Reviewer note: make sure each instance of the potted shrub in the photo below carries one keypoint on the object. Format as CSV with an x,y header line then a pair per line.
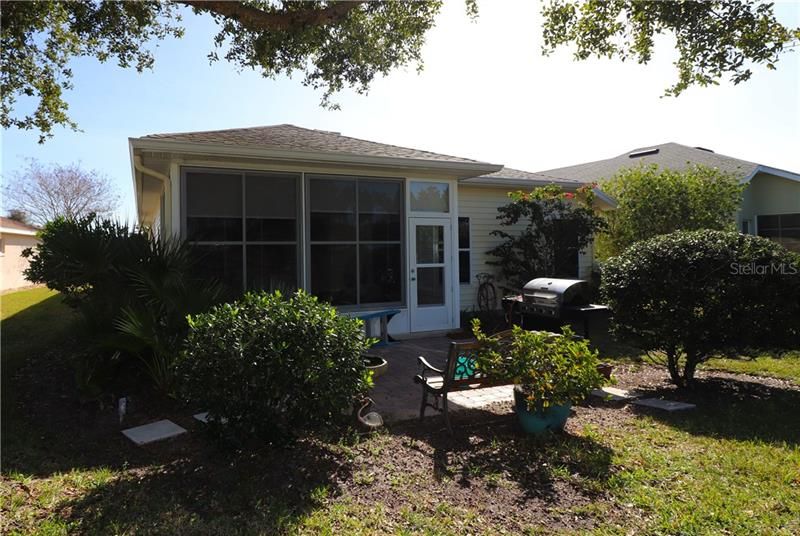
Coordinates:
x,y
550,372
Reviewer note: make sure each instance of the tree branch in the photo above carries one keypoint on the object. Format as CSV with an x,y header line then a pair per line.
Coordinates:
x,y
259,20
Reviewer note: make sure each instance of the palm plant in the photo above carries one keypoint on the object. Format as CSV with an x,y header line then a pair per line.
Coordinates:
x,y
153,326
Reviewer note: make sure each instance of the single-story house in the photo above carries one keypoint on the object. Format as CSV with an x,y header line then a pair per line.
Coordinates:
x,y
14,238
770,202
365,225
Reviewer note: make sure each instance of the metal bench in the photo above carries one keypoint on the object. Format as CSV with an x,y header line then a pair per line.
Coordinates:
x,y
384,317
459,374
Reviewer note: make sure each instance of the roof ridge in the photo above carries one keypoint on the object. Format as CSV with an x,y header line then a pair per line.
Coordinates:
x,y
215,130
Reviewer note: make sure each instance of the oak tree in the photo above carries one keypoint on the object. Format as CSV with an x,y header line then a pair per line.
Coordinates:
x,y
338,44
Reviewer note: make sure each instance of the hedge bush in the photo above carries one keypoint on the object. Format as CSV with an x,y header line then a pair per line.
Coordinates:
x,y
691,295
273,367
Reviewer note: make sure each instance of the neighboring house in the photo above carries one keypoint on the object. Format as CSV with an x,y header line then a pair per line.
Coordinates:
x,y
365,225
14,237
770,203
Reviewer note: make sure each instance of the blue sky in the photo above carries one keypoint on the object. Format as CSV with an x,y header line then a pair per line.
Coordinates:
x,y
486,92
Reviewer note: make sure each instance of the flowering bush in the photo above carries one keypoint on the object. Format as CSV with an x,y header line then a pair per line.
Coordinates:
x,y
558,225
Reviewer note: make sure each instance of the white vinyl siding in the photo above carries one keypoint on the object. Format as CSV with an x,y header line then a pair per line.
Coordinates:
x,y
480,204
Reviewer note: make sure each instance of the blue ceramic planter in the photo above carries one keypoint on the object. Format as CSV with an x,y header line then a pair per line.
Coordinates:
x,y
538,422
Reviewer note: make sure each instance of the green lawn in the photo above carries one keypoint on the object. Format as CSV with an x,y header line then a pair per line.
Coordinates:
x,y
33,321
786,366
730,467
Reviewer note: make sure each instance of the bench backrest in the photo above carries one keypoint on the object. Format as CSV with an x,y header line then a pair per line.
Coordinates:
x,y
461,369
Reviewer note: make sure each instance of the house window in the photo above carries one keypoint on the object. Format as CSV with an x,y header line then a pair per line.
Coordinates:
x,y
745,226
430,197
782,228
356,238
244,227
463,252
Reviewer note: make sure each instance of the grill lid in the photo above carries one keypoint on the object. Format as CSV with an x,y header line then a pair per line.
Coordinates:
x,y
555,293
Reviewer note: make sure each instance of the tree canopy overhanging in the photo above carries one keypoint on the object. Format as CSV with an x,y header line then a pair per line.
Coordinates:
x,y
337,44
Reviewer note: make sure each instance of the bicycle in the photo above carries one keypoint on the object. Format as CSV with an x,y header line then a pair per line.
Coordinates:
x,y
487,294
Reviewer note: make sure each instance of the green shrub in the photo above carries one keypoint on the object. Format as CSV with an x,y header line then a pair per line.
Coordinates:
x,y
691,295
550,369
272,366
653,201
133,290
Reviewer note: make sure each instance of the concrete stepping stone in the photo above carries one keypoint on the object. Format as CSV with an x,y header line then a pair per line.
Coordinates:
x,y
614,394
203,417
155,431
666,405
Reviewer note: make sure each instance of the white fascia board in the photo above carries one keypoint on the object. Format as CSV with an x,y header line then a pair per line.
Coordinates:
x,y
23,232
464,169
773,171
131,156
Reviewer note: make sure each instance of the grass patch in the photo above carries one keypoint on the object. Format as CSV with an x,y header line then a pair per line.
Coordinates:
x,y
785,366
34,321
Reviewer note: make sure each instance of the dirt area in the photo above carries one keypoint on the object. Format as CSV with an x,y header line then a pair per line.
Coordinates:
x,y
485,469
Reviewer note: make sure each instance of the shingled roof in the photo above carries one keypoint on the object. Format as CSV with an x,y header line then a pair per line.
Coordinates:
x,y
666,155
293,138
517,176
13,226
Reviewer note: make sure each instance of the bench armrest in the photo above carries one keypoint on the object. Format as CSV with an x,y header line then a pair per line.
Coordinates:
x,y
424,367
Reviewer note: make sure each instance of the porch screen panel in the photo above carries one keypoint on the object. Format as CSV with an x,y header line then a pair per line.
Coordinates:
x,y
244,227
271,231
782,228
355,227
380,207
213,207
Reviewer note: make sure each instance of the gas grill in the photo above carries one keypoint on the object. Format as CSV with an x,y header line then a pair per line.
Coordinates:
x,y
550,298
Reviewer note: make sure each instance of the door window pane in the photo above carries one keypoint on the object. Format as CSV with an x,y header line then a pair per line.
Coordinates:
x,y
272,267
222,263
333,273
333,210
380,273
430,197
430,244
430,286
213,207
271,207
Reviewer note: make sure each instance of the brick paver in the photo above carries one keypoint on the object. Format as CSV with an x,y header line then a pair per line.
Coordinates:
x,y
398,398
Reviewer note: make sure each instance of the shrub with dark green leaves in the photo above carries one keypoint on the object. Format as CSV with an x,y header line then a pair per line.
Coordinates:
x,y
273,367
133,290
691,295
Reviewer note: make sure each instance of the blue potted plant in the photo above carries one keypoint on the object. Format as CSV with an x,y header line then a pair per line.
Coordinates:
x,y
550,372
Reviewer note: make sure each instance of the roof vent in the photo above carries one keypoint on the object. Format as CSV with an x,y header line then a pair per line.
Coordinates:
x,y
646,152
704,149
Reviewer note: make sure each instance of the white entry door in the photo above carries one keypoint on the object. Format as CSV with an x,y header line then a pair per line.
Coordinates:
x,y
430,274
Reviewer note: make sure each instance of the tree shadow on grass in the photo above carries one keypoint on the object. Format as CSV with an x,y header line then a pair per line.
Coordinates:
x,y
734,409
267,491
484,444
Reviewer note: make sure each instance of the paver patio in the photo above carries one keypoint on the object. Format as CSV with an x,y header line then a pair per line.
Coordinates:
x,y
398,398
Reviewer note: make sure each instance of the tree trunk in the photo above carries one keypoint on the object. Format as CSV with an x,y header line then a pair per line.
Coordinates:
x,y
674,368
